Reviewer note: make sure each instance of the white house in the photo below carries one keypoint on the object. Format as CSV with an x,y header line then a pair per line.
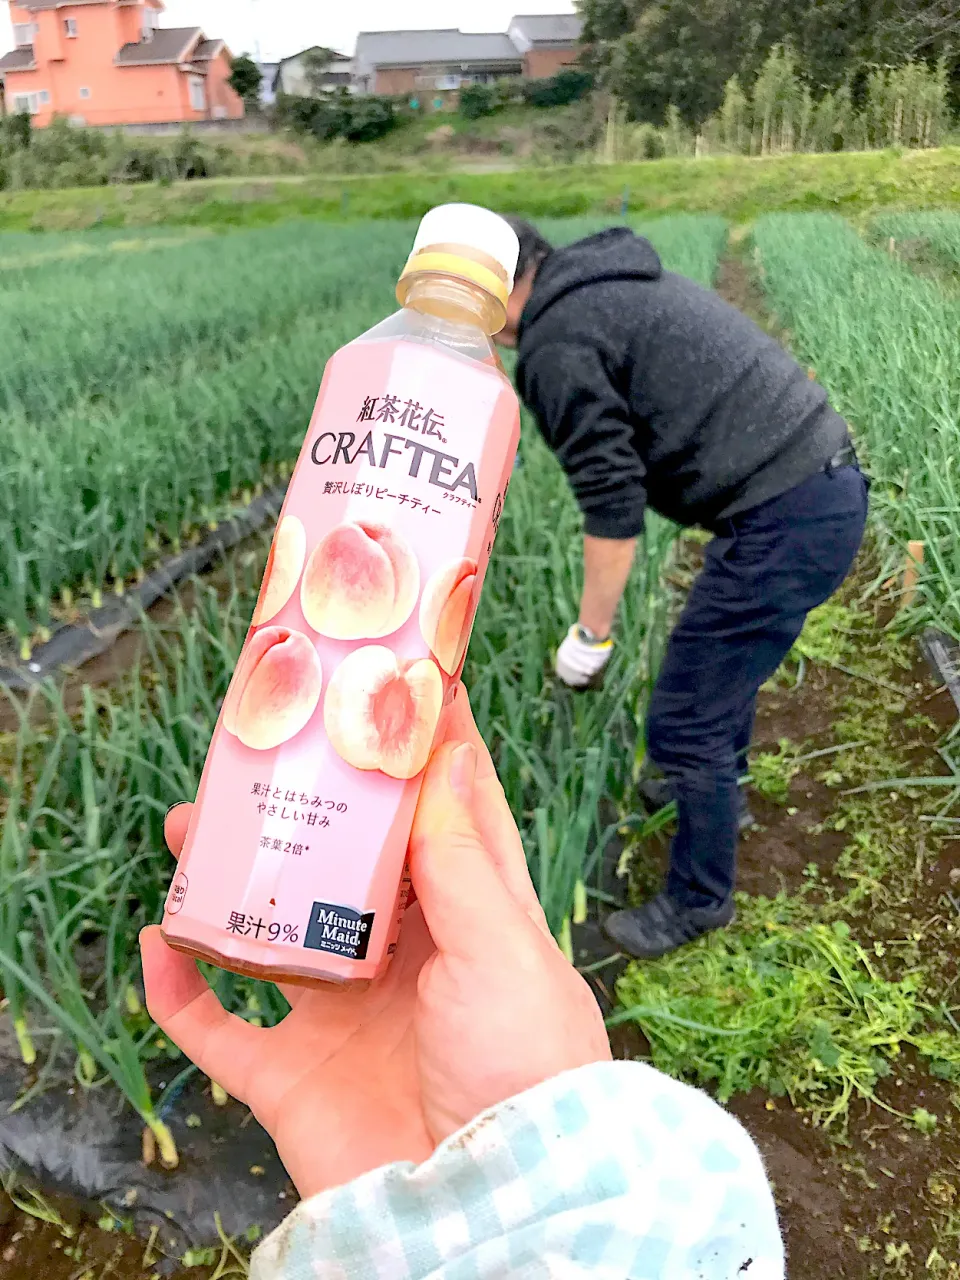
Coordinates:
x,y
268,73
292,77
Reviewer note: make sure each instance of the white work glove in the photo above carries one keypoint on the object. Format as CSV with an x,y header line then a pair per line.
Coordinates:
x,y
581,658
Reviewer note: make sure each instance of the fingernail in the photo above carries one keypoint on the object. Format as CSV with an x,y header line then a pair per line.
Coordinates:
x,y
171,809
463,771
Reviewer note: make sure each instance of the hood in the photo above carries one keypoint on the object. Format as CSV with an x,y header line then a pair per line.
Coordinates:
x,y
615,254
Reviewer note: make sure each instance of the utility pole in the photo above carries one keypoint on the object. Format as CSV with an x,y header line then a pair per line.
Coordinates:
x,y
256,31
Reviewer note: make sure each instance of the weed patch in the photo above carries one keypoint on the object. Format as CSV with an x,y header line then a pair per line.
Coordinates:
x,y
785,1004
771,772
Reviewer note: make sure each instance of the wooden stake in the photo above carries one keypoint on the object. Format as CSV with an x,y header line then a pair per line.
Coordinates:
x,y
911,573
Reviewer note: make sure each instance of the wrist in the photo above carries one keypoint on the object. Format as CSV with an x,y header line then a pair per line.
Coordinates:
x,y
592,635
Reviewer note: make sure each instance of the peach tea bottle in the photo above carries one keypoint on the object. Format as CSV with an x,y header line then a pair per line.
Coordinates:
x,y
294,864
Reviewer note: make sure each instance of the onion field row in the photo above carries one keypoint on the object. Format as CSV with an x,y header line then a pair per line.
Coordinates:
x,y
150,386
143,392
933,235
885,341
81,856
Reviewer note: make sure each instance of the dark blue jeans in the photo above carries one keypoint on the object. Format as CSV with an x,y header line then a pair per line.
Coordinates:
x,y
763,573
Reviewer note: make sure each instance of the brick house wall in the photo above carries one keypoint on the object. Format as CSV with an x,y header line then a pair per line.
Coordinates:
x,y
540,64
396,80
396,63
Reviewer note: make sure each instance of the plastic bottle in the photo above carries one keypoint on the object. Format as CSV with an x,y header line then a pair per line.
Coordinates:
x,y
294,864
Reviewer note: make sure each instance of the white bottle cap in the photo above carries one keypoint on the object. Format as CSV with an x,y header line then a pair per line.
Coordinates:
x,y
473,227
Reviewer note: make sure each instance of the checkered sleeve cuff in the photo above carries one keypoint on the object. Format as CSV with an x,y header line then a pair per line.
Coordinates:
x,y
612,1170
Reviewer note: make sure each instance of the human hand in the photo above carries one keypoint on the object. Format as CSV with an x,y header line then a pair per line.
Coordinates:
x,y
579,663
478,1005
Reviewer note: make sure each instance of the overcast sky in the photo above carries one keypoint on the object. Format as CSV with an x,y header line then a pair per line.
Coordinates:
x,y
285,26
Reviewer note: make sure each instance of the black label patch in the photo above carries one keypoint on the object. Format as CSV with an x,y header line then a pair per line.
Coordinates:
x,y
340,930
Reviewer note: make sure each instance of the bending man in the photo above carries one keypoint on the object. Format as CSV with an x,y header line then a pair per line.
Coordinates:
x,y
654,392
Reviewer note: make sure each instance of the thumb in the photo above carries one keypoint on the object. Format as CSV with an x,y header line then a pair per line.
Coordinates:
x,y
466,905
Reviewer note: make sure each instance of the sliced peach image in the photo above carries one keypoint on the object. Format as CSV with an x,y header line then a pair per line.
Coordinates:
x,y
275,689
361,583
382,712
284,567
446,611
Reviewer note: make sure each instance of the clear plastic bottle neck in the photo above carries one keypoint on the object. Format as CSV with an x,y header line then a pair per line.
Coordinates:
x,y
455,300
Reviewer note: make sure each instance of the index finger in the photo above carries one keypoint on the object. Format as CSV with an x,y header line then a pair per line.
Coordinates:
x,y
491,812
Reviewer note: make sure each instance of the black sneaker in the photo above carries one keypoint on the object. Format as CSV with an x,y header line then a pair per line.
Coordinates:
x,y
661,926
655,795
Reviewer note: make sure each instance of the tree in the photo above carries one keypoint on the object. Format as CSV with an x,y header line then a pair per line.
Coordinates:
x,y
337,114
245,79
651,53
735,118
778,103
654,53
16,132
674,52
477,100
366,119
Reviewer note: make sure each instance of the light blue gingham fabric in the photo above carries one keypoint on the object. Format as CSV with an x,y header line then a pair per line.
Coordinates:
x,y
613,1170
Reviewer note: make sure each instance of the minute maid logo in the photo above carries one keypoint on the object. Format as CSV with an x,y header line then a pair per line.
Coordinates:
x,y
339,930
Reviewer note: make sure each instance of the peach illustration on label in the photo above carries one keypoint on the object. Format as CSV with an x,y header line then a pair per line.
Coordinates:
x,y
275,689
381,712
284,567
361,582
446,612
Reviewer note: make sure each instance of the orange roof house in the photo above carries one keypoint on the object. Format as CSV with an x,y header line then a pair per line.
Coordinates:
x,y
109,62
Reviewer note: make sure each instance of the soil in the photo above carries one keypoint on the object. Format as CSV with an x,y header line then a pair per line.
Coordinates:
x,y
34,1249
833,1195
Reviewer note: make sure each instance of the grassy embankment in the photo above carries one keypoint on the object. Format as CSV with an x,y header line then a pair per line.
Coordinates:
x,y
738,188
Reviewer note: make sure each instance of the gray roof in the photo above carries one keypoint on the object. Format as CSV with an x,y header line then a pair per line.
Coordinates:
x,y
314,48
560,28
416,48
18,59
206,50
169,44
38,6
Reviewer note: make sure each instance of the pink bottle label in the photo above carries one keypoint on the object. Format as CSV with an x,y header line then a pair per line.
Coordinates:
x,y
294,862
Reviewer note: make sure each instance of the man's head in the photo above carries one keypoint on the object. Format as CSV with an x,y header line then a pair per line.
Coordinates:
x,y
534,248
